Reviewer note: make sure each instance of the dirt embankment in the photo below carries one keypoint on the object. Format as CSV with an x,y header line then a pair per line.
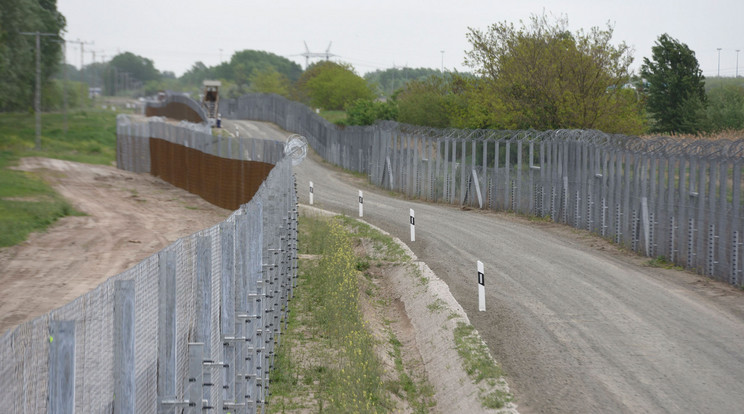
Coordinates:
x,y
128,217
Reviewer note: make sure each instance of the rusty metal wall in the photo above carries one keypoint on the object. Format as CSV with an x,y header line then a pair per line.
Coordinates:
x,y
224,182
177,106
174,110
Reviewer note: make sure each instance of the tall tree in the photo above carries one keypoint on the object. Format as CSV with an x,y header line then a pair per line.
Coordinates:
x,y
245,62
546,77
387,81
330,85
141,68
725,108
17,51
676,87
268,80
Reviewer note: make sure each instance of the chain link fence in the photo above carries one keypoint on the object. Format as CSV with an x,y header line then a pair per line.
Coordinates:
x,y
190,329
676,199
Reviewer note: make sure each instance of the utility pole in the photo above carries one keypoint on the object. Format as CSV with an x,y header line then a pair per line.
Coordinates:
x,y
64,85
737,62
442,62
719,62
82,53
37,95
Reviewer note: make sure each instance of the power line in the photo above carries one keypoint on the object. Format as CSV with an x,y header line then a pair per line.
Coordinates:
x,y
37,95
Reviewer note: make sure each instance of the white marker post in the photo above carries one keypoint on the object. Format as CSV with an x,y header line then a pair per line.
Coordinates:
x,y
413,226
311,193
361,204
481,288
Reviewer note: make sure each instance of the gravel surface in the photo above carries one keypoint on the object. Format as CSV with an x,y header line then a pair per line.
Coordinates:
x,y
578,325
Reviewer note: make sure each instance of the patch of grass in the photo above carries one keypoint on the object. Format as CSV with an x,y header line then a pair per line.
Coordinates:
x,y
662,262
334,117
494,399
479,365
416,272
90,136
419,394
312,235
384,246
343,373
27,204
362,265
327,360
437,306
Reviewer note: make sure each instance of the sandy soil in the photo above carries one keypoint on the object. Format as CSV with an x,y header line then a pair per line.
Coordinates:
x,y
129,217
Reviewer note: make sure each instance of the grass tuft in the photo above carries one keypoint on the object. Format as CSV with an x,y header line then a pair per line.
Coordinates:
x,y
479,365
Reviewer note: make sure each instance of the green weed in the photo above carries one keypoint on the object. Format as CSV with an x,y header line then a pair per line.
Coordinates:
x,y
662,262
436,306
478,364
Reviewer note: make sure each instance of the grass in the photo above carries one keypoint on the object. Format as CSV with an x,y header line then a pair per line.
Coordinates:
x,y
90,136
437,306
385,248
663,263
327,360
419,393
340,369
28,204
479,365
333,117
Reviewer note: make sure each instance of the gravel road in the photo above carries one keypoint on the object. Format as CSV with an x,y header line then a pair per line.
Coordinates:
x,y
578,325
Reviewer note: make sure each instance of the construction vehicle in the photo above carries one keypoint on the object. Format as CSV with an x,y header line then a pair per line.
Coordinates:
x,y
211,101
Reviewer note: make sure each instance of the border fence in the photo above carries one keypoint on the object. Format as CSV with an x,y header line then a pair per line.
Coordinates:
x,y
177,106
190,329
676,199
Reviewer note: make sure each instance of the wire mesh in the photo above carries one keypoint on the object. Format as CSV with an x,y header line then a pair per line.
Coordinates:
x,y
26,361
579,177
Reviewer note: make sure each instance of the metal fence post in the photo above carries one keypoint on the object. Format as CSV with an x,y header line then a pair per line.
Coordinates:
x,y
61,367
166,329
124,376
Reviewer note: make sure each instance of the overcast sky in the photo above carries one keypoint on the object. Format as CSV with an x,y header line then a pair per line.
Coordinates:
x,y
382,33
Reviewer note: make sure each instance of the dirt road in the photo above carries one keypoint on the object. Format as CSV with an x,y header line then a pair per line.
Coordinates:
x,y
578,325
129,217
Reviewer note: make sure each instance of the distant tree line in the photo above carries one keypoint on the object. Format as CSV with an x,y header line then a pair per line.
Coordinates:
x,y
542,76
538,75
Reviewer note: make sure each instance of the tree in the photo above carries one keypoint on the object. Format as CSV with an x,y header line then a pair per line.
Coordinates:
x,y
138,67
196,74
545,77
244,63
366,112
329,85
387,81
17,51
725,108
676,87
268,80
432,101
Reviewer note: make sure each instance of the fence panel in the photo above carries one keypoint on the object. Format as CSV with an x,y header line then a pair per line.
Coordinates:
x,y
151,339
674,198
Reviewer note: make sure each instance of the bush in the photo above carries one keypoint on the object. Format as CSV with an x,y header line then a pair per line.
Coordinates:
x,y
366,112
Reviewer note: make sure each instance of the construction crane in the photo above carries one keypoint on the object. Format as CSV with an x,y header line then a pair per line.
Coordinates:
x,y
308,54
